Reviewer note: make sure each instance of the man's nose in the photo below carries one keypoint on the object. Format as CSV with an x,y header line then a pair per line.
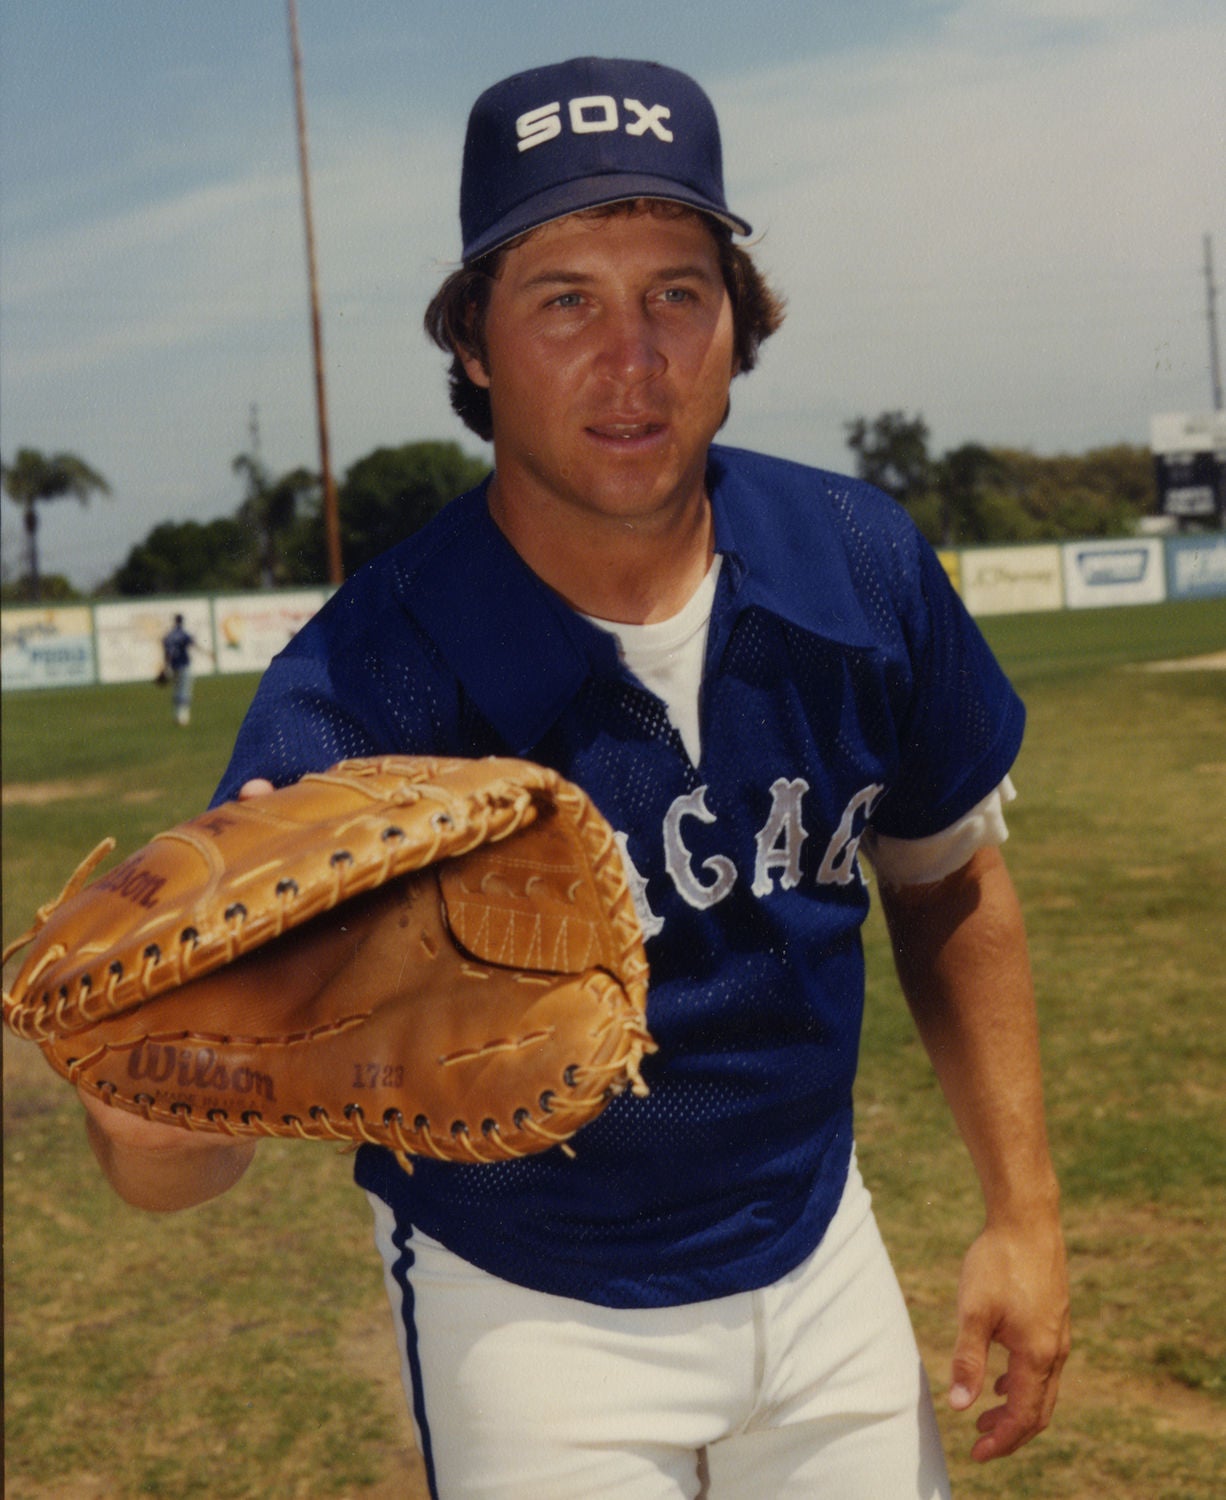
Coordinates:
x,y
630,350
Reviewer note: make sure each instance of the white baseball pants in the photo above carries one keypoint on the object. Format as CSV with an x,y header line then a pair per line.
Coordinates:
x,y
811,1387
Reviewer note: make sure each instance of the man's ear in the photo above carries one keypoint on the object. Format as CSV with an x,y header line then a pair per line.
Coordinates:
x,y
474,367
469,346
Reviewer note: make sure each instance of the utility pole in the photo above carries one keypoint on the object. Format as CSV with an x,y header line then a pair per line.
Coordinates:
x,y
332,530
1215,366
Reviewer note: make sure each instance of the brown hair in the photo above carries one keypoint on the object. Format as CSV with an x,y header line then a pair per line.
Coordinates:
x,y
455,319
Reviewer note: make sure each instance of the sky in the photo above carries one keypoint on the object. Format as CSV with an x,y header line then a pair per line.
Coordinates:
x,y
991,213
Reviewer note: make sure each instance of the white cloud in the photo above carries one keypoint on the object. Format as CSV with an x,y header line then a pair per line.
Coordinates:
x,y
152,278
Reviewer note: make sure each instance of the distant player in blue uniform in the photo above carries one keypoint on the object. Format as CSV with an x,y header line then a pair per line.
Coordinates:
x,y
177,646
761,674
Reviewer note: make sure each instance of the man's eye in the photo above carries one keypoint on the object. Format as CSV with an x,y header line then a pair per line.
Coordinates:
x,y
678,294
567,299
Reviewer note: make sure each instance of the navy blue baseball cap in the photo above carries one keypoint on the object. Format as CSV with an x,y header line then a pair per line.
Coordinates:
x,y
583,133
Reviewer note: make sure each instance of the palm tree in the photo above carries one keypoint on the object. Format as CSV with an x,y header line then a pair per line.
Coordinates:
x,y
270,509
32,477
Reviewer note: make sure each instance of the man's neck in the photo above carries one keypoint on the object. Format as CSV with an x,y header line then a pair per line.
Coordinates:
x,y
617,570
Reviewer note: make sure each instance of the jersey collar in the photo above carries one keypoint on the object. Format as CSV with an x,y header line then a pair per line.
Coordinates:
x,y
787,557
483,607
487,614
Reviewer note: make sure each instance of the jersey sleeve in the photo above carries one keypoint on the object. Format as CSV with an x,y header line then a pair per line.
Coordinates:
x,y
962,723
336,693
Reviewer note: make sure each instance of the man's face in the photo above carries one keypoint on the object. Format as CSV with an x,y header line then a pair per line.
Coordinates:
x,y
609,356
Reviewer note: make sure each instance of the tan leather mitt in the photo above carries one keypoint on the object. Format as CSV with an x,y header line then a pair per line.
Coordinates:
x,y
438,956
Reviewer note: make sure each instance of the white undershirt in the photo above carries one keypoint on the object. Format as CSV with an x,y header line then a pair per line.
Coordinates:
x,y
667,657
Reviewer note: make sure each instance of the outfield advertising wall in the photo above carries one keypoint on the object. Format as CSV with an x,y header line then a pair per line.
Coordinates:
x,y
120,641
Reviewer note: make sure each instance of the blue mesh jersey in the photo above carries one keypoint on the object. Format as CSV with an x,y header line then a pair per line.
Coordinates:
x,y
844,682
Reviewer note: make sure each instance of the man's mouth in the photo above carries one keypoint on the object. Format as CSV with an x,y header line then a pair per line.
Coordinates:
x,y
625,432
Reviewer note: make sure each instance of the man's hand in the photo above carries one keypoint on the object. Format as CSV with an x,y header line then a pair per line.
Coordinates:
x,y
163,1168
1014,1292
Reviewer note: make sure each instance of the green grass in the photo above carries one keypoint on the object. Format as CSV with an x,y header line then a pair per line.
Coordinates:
x,y
84,763
244,1349
1117,849
1044,646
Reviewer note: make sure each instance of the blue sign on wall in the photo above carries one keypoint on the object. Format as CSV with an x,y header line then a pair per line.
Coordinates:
x,y
1196,566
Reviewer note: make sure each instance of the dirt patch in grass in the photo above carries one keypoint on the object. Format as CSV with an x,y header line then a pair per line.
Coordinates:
x,y
40,793
1213,661
1170,1406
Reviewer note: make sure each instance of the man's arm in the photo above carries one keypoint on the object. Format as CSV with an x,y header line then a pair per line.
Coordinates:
x,y
960,948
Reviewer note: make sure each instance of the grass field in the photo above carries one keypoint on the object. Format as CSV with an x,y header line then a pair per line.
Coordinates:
x,y
244,1349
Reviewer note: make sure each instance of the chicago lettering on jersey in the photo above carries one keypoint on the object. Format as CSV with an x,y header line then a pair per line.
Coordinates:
x,y
778,846
590,115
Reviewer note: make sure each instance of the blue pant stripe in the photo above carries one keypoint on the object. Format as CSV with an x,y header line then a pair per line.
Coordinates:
x,y
400,1272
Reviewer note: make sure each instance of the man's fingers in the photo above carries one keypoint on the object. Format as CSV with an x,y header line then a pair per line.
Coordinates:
x,y
257,787
970,1362
1003,1432
1051,1389
1004,1428
1030,1390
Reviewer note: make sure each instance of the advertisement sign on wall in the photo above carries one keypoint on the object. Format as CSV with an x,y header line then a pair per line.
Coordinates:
x,y
1011,580
1102,573
47,647
1196,566
252,628
129,637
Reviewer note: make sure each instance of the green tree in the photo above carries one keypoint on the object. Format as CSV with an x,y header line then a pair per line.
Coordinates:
x,y
892,453
190,555
1032,497
961,480
270,510
33,479
277,534
54,588
383,498
975,494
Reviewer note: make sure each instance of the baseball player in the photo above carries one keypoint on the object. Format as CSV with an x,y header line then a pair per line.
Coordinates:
x,y
177,646
759,672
